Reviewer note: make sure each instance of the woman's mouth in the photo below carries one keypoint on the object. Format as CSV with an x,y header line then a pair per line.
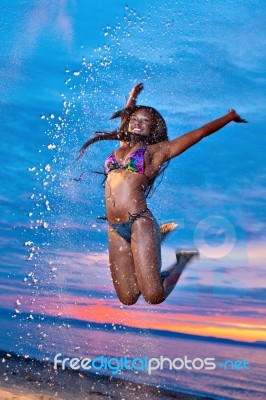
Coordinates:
x,y
136,130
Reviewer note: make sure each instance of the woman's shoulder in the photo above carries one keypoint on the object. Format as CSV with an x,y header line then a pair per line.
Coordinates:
x,y
155,147
156,154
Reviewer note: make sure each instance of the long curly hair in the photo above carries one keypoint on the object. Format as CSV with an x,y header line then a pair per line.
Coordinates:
x,y
158,134
158,129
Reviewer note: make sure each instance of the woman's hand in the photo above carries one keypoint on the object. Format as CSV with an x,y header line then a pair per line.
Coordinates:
x,y
133,95
136,90
236,117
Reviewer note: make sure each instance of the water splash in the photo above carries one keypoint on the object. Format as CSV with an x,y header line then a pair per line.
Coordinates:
x,y
65,195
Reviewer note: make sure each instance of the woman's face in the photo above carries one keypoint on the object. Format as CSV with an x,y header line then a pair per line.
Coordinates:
x,y
140,122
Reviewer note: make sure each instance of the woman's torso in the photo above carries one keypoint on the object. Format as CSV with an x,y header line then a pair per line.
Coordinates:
x,y
124,189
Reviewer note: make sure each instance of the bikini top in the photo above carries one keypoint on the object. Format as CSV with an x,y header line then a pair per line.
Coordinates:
x,y
134,162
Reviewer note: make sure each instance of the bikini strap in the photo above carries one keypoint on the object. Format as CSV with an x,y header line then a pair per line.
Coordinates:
x,y
102,218
133,217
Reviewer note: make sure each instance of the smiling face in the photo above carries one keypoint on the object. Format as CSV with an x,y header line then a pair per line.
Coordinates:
x,y
140,122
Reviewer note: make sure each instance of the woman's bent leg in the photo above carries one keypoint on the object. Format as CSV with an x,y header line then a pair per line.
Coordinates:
x,y
122,268
146,250
173,273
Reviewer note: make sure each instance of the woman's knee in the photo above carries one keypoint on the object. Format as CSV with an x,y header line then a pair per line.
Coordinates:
x,y
154,296
128,299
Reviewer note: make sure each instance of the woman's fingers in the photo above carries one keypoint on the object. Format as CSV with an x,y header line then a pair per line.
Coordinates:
x,y
236,117
239,119
137,89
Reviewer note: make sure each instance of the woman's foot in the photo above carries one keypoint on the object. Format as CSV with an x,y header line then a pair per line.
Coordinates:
x,y
186,254
166,228
172,274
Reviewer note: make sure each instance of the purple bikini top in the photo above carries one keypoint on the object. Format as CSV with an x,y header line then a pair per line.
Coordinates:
x,y
134,162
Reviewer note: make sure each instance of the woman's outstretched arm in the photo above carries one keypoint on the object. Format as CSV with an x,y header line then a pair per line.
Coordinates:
x,y
179,145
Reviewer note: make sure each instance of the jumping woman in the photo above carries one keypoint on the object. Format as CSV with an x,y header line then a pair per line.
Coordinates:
x,y
133,233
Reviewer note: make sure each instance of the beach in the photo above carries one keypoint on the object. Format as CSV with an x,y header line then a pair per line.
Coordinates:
x,y
27,379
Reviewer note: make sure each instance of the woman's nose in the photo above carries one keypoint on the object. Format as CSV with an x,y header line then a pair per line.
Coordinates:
x,y
137,122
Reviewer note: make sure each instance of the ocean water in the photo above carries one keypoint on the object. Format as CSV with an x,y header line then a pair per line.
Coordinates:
x,y
87,342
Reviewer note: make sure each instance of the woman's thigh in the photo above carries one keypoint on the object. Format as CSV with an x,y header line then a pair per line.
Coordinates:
x,y
122,268
146,250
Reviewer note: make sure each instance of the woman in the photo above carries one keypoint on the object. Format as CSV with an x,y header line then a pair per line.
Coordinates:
x,y
133,233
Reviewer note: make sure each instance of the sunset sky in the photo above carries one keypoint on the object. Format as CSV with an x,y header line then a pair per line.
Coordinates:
x,y
64,71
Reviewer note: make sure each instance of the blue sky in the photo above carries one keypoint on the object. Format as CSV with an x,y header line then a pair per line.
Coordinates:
x,y
64,71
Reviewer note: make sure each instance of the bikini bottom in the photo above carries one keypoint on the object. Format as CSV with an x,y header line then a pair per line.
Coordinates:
x,y
124,230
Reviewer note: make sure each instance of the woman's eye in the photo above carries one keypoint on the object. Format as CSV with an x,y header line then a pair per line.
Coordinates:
x,y
145,121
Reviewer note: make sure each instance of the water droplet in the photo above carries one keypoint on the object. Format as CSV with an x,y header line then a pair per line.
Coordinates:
x,y
28,243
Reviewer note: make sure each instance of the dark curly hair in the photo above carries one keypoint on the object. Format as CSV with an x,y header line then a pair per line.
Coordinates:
x,y
158,129
158,134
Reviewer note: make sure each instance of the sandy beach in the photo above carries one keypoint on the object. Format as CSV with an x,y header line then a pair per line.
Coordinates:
x,y
25,379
